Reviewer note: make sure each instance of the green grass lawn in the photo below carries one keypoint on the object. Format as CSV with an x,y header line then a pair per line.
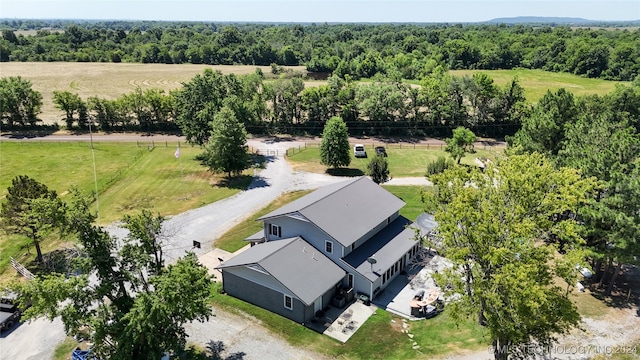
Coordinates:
x,y
412,195
537,82
130,176
380,337
403,162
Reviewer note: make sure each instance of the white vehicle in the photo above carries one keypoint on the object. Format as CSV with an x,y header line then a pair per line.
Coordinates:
x,y
359,151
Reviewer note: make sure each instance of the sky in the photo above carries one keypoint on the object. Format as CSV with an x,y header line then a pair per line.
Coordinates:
x,y
318,11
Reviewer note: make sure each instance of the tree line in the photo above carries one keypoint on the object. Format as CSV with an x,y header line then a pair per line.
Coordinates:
x,y
285,105
409,51
384,106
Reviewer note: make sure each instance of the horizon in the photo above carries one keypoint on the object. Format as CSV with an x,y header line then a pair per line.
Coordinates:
x,y
318,11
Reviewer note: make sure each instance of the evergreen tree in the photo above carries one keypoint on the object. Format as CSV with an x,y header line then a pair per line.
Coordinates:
x,y
378,169
334,148
226,150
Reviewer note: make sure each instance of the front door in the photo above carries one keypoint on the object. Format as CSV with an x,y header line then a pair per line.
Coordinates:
x,y
317,305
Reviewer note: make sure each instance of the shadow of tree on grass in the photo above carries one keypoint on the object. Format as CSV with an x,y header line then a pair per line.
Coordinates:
x,y
235,182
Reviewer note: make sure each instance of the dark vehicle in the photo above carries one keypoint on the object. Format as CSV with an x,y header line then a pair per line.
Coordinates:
x,y
380,151
9,313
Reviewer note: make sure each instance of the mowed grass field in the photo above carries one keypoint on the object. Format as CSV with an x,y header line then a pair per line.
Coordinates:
x,y
537,82
110,80
130,176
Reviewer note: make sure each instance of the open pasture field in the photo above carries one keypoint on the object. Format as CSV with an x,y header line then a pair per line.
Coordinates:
x,y
108,80
130,176
537,82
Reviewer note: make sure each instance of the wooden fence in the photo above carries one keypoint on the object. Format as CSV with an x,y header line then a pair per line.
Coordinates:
x,y
21,269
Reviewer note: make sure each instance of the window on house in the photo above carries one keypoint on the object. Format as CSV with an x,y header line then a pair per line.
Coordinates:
x,y
275,230
328,246
288,302
350,281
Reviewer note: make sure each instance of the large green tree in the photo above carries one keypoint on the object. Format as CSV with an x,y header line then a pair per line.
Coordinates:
x,y
334,147
132,306
461,143
544,130
198,101
70,103
606,147
19,103
30,209
226,150
493,227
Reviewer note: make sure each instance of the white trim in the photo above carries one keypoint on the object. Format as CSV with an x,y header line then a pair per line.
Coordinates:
x,y
275,230
328,246
298,216
285,302
258,268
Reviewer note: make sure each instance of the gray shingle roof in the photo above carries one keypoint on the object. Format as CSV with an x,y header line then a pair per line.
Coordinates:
x,y
306,272
346,210
256,237
386,247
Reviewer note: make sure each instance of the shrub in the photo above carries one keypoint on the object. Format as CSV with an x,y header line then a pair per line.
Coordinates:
x,y
439,165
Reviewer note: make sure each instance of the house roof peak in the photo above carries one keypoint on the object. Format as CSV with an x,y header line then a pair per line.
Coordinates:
x,y
346,210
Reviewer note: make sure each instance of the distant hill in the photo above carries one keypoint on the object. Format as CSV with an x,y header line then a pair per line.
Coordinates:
x,y
559,21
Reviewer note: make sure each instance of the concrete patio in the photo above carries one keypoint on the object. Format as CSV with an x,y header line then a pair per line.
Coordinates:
x,y
341,324
396,296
